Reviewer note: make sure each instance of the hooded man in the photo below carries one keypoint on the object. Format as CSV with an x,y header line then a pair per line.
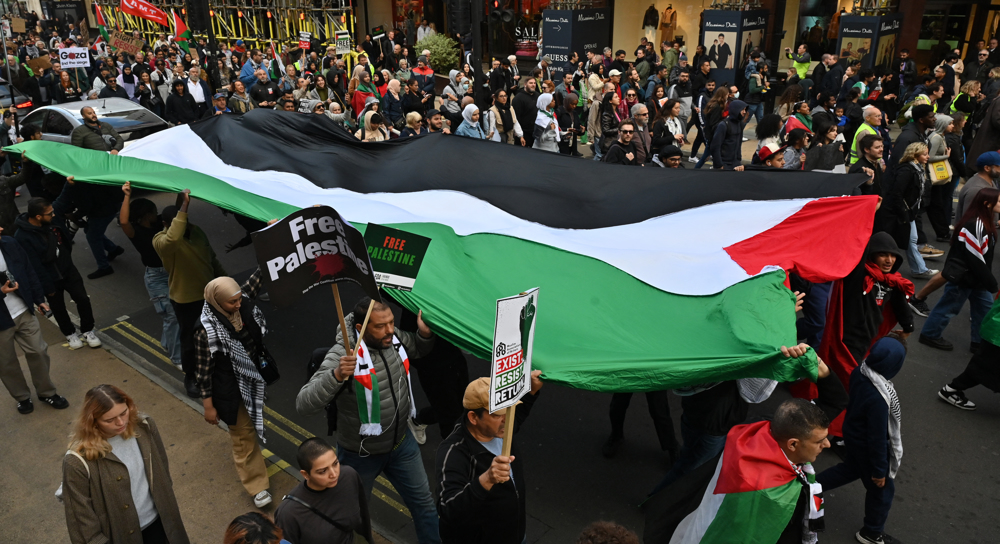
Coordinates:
x,y
874,447
669,157
727,141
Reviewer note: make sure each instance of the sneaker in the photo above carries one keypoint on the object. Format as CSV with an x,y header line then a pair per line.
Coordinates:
x,y
693,160
928,250
956,398
55,401
927,274
74,341
419,431
100,273
25,406
867,537
745,139
92,339
919,306
936,343
611,447
262,499
114,253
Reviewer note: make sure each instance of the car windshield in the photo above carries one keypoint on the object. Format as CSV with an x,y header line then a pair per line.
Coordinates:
x,y
129,121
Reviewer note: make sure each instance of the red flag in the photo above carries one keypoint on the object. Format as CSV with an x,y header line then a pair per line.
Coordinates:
x,y
141,8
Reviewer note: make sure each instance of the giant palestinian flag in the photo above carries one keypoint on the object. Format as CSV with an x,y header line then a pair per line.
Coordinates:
x,y
653,278
745,496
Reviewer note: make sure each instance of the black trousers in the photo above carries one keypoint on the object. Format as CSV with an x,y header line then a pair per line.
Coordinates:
x,y
983,369
72,284
443,375
939,209
659,410
154,533
188,315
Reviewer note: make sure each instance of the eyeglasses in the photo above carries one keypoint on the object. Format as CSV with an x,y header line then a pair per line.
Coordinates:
x,y
630,95
627,131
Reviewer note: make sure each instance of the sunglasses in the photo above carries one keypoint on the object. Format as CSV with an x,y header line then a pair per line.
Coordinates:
x,y
983,55
627,131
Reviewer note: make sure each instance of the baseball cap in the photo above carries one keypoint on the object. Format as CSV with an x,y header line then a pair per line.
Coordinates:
x,y
614,73
769,150
477,395
670,150
990,158
218,96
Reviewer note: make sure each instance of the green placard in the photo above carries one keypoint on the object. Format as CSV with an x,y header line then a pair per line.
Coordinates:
x,y
396,255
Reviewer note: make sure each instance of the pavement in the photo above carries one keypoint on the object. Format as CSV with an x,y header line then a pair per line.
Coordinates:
x,y
945,490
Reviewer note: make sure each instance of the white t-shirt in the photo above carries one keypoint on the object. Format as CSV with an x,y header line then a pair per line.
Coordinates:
x,y
194,87
495,447
15,304
128,452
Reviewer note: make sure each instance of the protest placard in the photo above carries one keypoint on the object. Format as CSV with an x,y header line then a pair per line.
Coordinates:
x,y
17,25
74,57
343,42
510,371
40,63
396,255
314,247
304,39
123,42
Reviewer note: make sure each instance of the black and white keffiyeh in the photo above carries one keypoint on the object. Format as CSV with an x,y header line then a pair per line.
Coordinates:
x,y
888,392
248,378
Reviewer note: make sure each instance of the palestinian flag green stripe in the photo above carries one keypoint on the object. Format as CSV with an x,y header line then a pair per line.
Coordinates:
x,y
753,517
602,329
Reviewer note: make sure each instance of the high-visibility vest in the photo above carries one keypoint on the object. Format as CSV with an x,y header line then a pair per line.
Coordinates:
x,y
855,152
953,111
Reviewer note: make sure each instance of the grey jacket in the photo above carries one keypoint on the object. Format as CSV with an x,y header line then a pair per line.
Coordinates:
x,y
394,394
98,497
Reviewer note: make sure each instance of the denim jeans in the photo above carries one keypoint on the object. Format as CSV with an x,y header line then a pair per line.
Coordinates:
x,y
404,469
878,500
698,449
100,244
913,257
156,286
756,111
951,302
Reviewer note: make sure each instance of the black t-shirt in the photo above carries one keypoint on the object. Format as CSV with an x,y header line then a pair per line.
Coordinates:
x,y
716,410
143,242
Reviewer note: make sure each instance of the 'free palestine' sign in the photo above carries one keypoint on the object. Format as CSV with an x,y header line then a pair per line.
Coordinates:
x,y
395,255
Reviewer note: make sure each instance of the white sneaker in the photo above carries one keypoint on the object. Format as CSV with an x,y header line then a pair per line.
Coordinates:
x,y
693,159
419,431
74,341
262,499
92,339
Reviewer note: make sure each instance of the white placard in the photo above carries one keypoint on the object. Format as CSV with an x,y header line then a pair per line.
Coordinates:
x,y
74,57
513,337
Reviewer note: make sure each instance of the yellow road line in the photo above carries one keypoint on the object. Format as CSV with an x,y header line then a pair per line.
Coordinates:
x,y
381,479
141,344
282,433
392,502
142,334
288,423
276,468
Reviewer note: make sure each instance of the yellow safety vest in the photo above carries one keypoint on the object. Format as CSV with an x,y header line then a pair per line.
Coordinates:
x,y
855,152
953,111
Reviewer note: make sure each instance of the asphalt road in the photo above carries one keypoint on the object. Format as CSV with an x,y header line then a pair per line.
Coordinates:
x,y
945,489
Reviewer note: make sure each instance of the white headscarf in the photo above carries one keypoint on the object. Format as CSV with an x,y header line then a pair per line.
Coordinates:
x,y
467,113
544,118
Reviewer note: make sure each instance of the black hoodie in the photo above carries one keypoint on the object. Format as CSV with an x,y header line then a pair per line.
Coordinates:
x,y
49,248
866,423
727,141
863,310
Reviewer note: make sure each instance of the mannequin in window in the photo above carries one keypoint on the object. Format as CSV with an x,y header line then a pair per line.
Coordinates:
x,y
650,21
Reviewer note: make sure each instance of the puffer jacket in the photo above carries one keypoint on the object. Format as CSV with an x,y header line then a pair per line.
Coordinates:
x,y
394,395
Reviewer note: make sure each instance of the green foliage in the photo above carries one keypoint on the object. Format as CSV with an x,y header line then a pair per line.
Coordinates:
x,y
444,52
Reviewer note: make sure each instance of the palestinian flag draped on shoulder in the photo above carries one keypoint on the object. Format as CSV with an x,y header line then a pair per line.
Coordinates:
x,y
654,278
748,495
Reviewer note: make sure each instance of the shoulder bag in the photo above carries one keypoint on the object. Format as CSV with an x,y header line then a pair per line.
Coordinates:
x,y
340,526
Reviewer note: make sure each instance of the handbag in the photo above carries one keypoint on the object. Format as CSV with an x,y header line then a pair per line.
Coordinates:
x,y
954,270
340,526
941,172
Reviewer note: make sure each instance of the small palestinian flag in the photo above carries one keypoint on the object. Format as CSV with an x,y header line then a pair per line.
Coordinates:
x,y
746,495
182,35
654,281
277,66
102,26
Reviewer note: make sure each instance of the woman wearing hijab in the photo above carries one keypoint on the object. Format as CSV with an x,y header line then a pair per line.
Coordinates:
x,y
546,129
392,106
366,91
355,81
233,366
372,129
382,82
126,80
451,98
505,125
800,118
470,123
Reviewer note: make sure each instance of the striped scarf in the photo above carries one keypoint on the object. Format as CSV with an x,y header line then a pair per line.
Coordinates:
x,y
366,388
888,392
247,377
813,522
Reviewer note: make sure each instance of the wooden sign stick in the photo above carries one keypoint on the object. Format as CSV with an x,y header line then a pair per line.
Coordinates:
x,y
365,324
340,314
508,431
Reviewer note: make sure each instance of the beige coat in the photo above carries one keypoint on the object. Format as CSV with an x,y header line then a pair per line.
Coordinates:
x,y
99,506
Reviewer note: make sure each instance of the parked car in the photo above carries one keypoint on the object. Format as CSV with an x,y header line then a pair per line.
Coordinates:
x,y
22,102
131,120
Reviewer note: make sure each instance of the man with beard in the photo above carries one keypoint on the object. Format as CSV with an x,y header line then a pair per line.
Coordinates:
x,y
623,150
436,122
569,124
525,108
264,93
682,92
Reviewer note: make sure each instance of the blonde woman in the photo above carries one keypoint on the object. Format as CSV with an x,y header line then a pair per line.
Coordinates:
x,y
902,202
116,480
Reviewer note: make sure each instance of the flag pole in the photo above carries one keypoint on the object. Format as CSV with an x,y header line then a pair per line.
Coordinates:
x,y
364,325
508,431
340,314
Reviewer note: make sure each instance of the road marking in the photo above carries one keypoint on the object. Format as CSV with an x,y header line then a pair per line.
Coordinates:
x,y
282,433
277,467
288,423
139,343
392,502
153,341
